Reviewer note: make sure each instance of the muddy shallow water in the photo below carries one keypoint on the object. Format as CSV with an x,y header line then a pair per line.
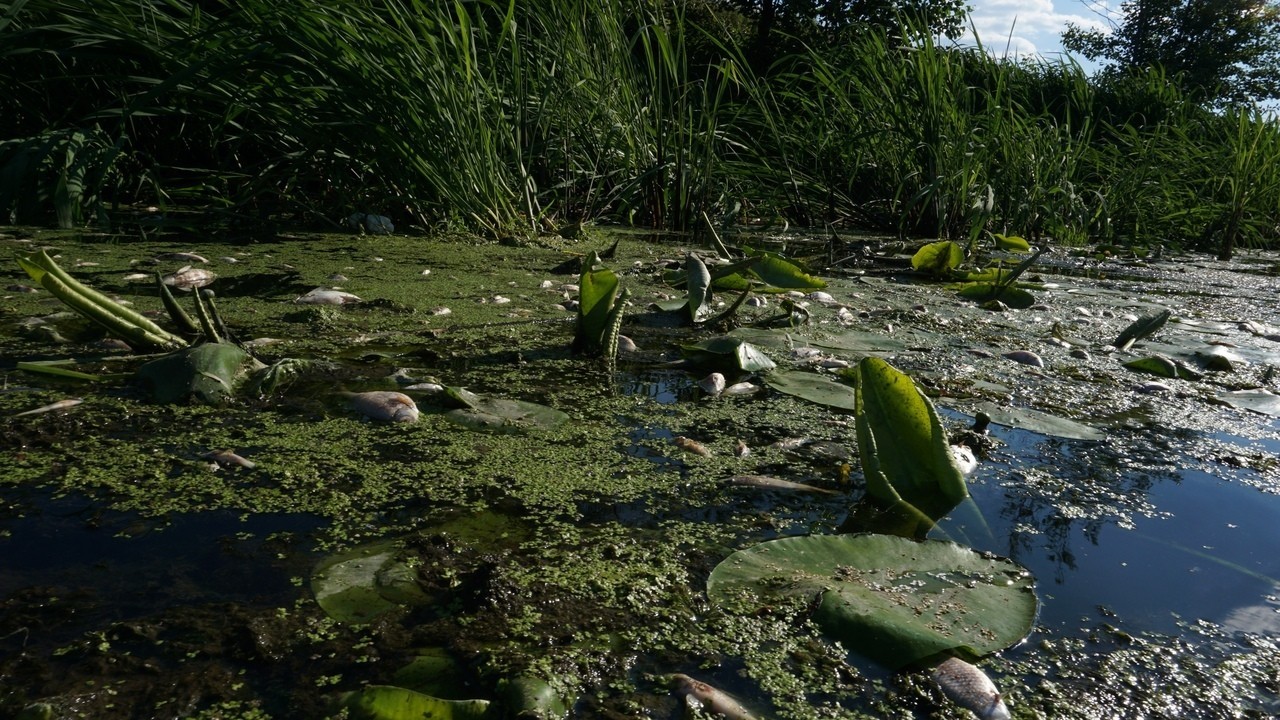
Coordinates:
x,y
141,580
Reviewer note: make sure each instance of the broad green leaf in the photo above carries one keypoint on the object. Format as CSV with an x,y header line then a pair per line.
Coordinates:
x,y
1040,422
895,600
526,696
727,353
1011,243
212,373
1154,365
782,273
1014,297
386,702
821,389
699,288
902,444
938,258
358,585
597,290
432,672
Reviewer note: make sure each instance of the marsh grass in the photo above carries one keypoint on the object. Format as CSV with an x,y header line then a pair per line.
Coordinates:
x,y
506,116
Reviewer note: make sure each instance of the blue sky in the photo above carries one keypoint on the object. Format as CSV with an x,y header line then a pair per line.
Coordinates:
x,y
1026,27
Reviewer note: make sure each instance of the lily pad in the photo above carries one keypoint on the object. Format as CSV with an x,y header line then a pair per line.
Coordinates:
x,y
386,702
359,585
895,600
821,389
1040,422
1260,401
728,353
211,372
1014,297
1011,243
938,258
504,415
782,273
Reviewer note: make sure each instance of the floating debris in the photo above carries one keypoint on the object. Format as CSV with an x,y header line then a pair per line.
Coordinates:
x,y
136,277
227,458
1152,388
626,344
740,449
20,288
964,458
188,278
689,445
441,310
51,407
384,405
791,443
970,688
338,278
1026,357
742,388
324,296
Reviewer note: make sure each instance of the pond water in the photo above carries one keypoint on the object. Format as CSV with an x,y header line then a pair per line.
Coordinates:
x,y
140,580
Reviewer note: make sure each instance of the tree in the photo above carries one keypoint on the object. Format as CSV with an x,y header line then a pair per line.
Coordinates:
x,y
1216,50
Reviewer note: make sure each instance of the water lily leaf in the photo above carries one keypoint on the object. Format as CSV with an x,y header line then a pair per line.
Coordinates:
x,y
728,353
386,702
504,415
821,389
432,672
699,288
1011,243
783,273
1158,365
1256,400
597,290
938,258
895,600
1040,422
526,696
211,372
1142,327
1014,297
902,445
358,585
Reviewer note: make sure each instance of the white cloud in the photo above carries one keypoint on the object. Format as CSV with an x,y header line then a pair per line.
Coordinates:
x,y
1033,27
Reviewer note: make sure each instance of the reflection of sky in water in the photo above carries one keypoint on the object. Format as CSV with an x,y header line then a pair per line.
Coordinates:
x,y
1152,544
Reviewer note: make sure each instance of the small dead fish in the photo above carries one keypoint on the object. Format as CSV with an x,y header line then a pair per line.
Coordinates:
x,y
228,259
1026,357
712,384
742,388
323,296
791,443
689,445
964,458
626,344
85,263
384,405
51,407
768,482
260,342
20,288
182,257
970,688
136,277
740,449
442,310
188,278
229,457
711,700
1152,388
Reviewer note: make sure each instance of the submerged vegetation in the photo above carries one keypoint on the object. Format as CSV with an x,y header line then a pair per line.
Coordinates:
x,y
523,116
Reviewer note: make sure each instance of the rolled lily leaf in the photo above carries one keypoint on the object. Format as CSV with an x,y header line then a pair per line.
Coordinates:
x,y
699,286
598,291
902,444
1141,328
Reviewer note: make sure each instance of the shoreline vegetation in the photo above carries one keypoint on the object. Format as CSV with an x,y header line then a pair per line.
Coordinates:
x,y
511,118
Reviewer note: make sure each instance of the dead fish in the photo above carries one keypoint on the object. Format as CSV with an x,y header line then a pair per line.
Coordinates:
x,y
229,457
60,405
228,259
442,310
964,458
20,288
188,278
742,388
324,296
711,700
626,344
1026,357
970,688
791,443
384,405
136,277
769,482
182,257
740,449
1152,388
689,445
85,263
712,384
